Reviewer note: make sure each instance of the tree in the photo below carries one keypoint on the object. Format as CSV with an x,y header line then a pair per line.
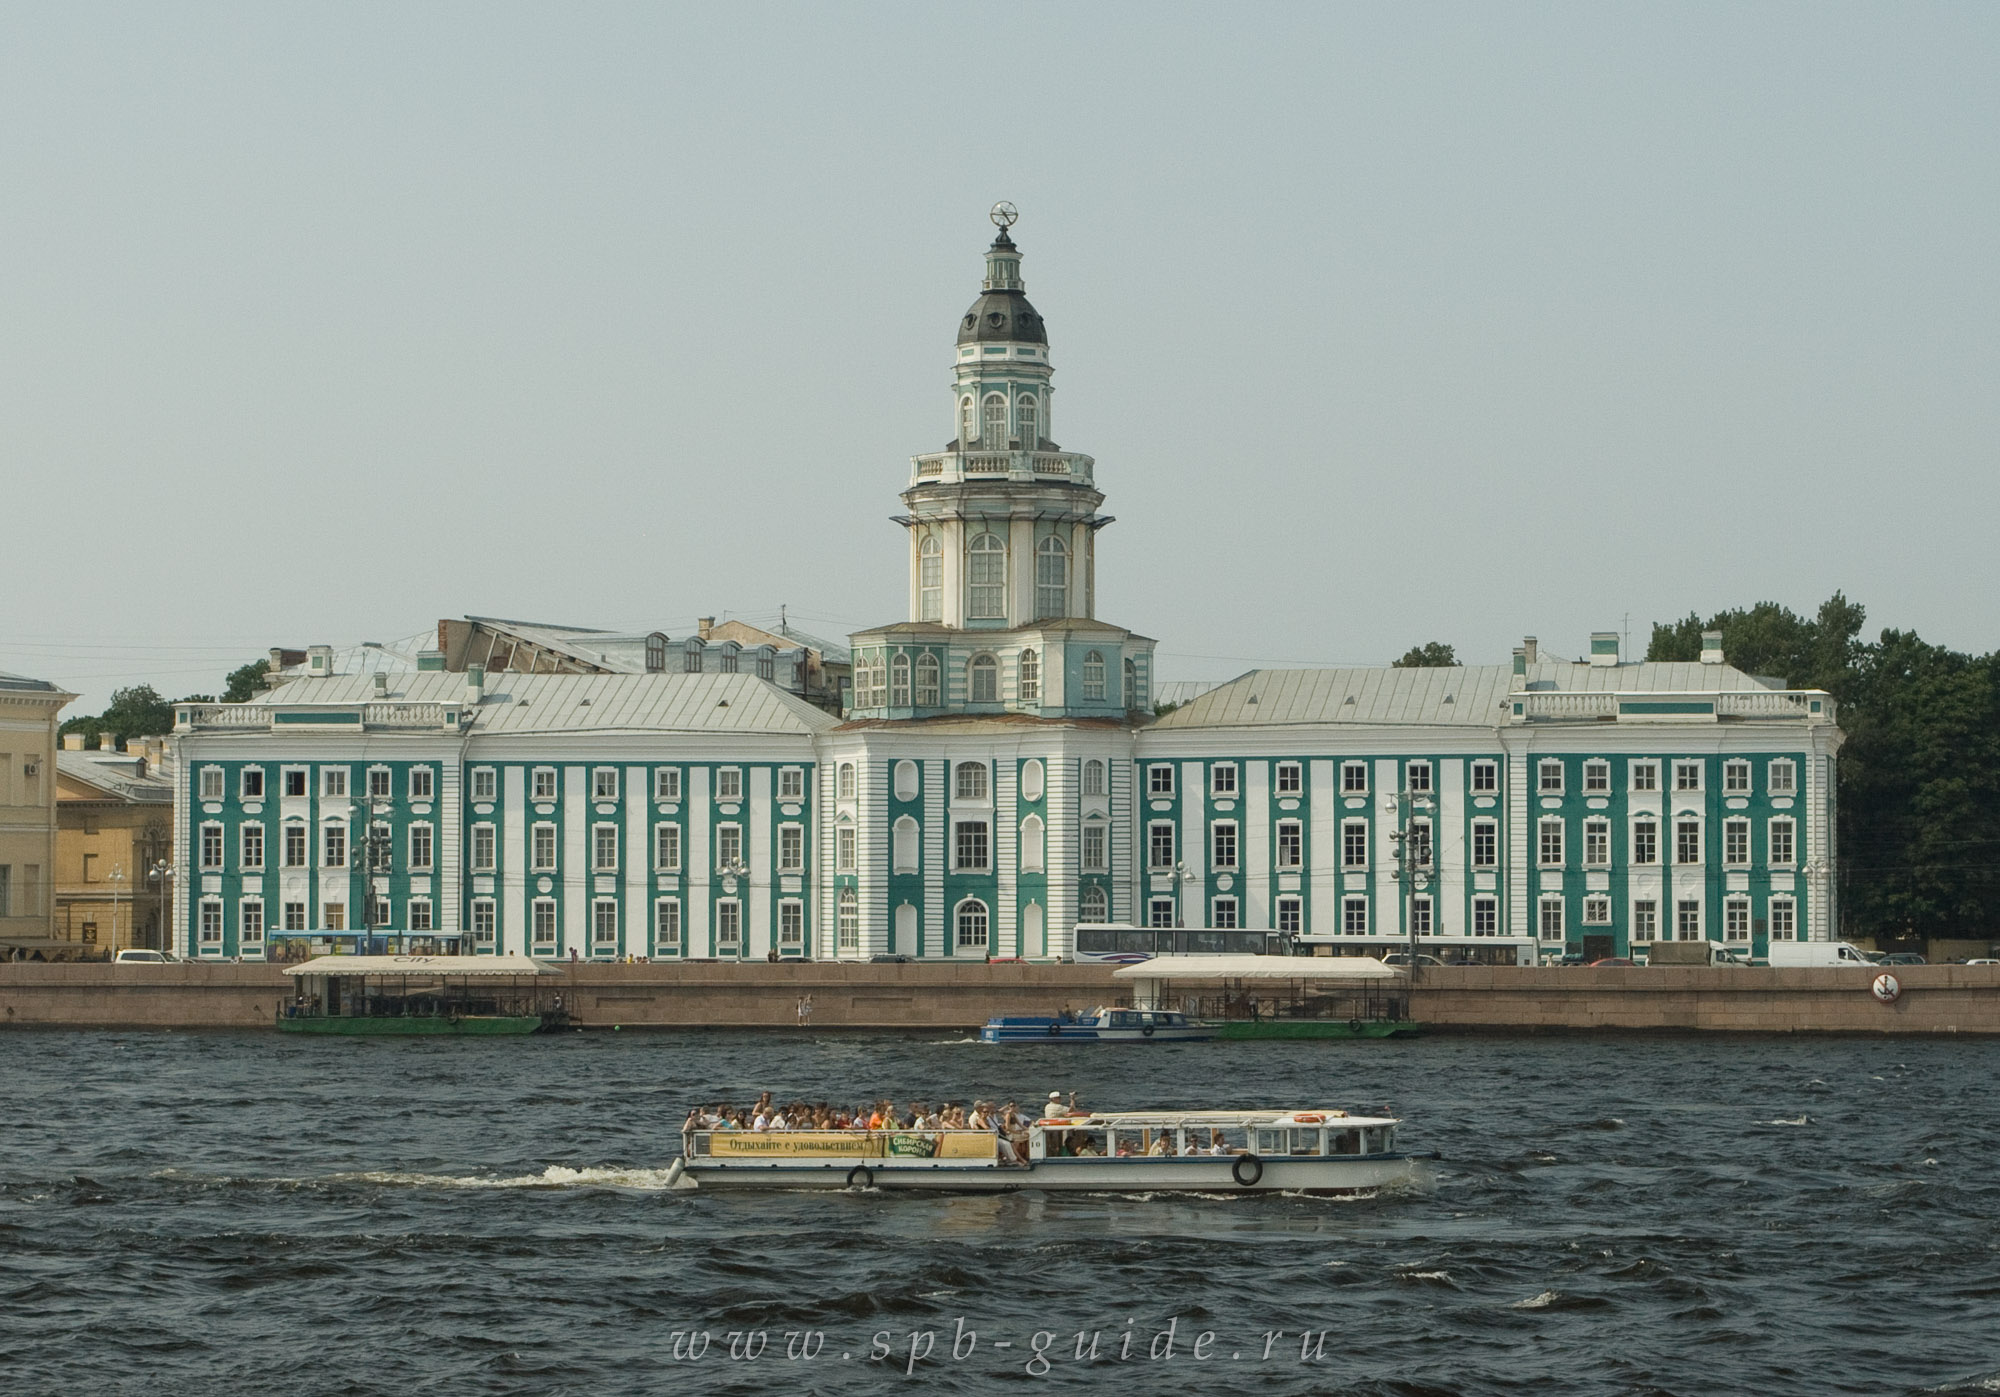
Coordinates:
x,y
245,683
138,711
1434,654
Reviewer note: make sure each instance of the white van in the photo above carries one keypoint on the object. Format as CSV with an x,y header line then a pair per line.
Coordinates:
x,y
1815,954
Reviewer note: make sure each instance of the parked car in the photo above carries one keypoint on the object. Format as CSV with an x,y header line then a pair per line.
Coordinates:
x,y
1572,958
1983,960
1403,958
890,960
138,957
1903,958
1614,960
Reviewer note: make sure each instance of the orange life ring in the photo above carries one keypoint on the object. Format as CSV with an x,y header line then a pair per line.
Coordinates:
x,y
1054,1120
1308,1118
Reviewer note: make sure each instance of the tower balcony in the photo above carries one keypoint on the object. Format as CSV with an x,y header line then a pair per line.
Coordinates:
x,y
951,467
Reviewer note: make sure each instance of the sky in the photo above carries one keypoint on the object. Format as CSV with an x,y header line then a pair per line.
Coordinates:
x,y
1385,323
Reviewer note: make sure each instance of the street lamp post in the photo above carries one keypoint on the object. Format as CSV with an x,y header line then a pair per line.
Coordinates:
x,y
116,877
373,855
161,875
1182,876
730,870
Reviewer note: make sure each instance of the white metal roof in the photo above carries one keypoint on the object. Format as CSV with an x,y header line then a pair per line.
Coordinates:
x,y
421,965
1219,1120
1198,967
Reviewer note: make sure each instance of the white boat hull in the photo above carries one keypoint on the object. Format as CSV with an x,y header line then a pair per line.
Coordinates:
x,y
1137,1174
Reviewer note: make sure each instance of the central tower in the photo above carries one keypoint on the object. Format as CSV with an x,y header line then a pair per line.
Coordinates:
x,y
1002,527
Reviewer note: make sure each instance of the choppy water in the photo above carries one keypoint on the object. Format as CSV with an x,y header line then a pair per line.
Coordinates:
x,y
195,1213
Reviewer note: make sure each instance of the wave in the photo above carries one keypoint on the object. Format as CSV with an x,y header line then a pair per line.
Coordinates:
x,y
556,1176
1800,1120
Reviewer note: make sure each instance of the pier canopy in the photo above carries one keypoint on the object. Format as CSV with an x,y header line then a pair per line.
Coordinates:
x,y
422,965
1258,968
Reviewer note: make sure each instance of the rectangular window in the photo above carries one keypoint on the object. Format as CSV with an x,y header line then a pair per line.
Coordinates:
x,y
1687,776
1291,844
1160,912
1420,916
604,783
1354,844
791,925
482,849
1645,841
1485,916
1736,920
542,848
1354,916
252,912
1645,919
667,785
970,845
482,921
333,916
1597,911
420,848
1736,778
1783,919
1597,843
728,846
1291,778
729,783
843,848
542,783
1095,858
1418,838
211,846
335,847
485,783
604,925
667,847
1552,919
1225,914
420,914
791,848
1485,778
1687,920
252,837
1222,841
1784,778
1417,775
1781,843
333,781
1354,778
1160,845
381,783
1645,776
1222,782
847,921
295,916
211,783
1160,781
1550,845
791,783
211,923
666,927
295,846
1485,844
603,848
1736,843
422,780
542,918
1596,777
382,912
295,781
1687,841
1291,919
252,787
1549,781
728,928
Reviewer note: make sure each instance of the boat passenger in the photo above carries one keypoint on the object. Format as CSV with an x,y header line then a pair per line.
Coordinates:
x,y
1160,1145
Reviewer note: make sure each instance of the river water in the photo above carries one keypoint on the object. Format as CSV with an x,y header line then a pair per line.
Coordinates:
x,y
219,1212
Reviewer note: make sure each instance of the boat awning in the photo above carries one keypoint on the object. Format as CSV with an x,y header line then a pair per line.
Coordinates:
x,y
422,965
1258,968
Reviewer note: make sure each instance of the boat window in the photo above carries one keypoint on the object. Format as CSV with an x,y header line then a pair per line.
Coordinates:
x,y
1343,1142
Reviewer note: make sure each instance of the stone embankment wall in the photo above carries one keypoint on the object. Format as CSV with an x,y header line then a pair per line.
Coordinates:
x,y
1936,999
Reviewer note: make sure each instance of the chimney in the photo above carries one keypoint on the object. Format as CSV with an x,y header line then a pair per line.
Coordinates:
x,y
381,684
319,661
1604,648
107,742
72,742
277,662
1531,650
475,683
703,625
1711,647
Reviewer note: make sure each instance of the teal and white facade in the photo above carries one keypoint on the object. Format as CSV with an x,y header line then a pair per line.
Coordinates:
x,y
999,778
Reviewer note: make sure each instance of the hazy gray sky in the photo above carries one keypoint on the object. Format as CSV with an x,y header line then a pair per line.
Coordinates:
x,y
1385,323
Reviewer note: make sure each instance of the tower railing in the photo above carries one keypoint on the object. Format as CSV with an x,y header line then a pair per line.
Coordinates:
x,y
947,466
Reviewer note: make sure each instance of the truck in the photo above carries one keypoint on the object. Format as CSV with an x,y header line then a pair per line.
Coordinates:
x,y
1798,955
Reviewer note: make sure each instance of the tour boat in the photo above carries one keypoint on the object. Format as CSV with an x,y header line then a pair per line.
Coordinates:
x,y
1105,1025
369,996
1264,1151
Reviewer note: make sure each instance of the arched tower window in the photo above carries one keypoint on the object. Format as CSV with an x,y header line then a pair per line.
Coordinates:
x,y
927,681
1025,413
1028,679
1093,676
984,677
971,925
1051,578
1132,697
993,432
986,589
1093,777
930,576
968,423
1095,906
899,682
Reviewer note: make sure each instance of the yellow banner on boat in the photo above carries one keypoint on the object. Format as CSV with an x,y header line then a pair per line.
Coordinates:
x,y
793,1143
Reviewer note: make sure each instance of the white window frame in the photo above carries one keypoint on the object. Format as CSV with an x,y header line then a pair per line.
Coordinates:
x,y
1782,777
210,923
422,859
247,859
980,835
1289,779
604,847
847,920
1162,834
1490,830
1688,775
1597,777
791,924
328,833
1160,913
1736,777
1551,919
1687,920
485,921
1645,775
667,937
1094,777
1225,913
243,776
1354,778
487,860
421,915
791,847
729,783
845,843
972,926
1160,781
1545,845
1736,842
485,783
1596,909
728,845
286,781
1485,778
333,782
1289,844
544,926
1094,848
1291,918
1645,920
928,687
1354,915
1736,919
381,783
1352,831
543,784
1417,778
544,847
791,783
1649,825
1784,918
1222,783
423,783
1681,828
214,782
1486,915
970,783
667,784
1549,776
1093,897
1788,856
1224,843
667,845
604,783
246,933
1597,843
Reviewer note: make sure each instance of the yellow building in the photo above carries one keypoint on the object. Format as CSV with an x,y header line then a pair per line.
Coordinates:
x,y
28,709
114,814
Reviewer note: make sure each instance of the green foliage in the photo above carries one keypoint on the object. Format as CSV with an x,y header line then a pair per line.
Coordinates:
x,y
245,683
1434,654
1919,799
1164,707
138,711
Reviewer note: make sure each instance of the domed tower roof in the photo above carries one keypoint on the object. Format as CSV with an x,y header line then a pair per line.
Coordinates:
x,y
1002,311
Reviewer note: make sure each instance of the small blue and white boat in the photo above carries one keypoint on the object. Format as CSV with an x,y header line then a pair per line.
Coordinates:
x,y
1104,1025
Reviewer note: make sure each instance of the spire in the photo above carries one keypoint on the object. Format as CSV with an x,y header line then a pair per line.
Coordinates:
x,y
1002,312
1003,259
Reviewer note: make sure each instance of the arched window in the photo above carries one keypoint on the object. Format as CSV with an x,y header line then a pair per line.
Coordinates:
x,y
848,923
1029,677
984,674
906,845
969,781
972,925
930,579
1031,844
1025,414
993,431
899,682
1093,777
1132,699
1052,578
927,681
1093,675
968,423
986,590
1095,906
847,780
